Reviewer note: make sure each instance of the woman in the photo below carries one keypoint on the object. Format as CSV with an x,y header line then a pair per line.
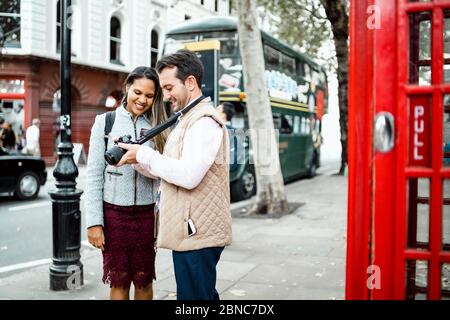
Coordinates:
x,y
8,136
120,201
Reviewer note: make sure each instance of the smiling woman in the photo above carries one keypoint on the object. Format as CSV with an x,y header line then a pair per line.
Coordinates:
x,y
120,216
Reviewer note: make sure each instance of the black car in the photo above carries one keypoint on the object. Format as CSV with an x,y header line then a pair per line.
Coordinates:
x,y
22,174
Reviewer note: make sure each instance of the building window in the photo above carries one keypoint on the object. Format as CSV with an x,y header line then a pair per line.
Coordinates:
x,y
115,41
10,23
58,26
186,17
216,5
202,2
154,48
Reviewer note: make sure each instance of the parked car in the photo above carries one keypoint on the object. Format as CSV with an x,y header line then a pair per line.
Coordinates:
x,y
22,174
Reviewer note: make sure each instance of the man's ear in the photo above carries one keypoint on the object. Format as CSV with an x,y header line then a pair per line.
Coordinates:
x,y
191,83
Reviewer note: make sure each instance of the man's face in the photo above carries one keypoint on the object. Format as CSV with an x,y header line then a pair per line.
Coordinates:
x,y
174,90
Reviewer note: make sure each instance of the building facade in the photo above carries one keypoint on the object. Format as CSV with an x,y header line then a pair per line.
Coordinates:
x,y
109,39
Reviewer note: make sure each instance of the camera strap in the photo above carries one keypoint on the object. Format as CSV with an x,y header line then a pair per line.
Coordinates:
x,y
186,109
168,123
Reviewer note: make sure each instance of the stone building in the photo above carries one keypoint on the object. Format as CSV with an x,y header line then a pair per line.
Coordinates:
x,y
109,39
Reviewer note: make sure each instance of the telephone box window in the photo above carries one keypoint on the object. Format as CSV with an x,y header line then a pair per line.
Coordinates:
x,y
446,37
418,217
420,48
445,281
416,280
446,215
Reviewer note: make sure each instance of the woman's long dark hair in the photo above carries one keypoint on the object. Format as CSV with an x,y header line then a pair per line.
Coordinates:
x,y
157,112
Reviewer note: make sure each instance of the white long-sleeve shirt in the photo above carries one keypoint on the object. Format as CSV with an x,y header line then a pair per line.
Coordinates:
x,y
32,137
200,146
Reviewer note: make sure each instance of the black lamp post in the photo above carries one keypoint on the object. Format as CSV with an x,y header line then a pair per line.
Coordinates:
x,y
66,271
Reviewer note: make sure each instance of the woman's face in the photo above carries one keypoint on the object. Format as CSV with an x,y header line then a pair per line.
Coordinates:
x,y
140,96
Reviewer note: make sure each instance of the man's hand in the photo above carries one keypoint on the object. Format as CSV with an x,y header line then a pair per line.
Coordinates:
x,y
130,156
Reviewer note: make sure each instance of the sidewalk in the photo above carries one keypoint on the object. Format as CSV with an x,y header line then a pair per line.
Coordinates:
x,y
299,256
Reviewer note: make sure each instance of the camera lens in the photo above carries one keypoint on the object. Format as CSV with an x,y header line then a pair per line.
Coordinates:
x,y
113,155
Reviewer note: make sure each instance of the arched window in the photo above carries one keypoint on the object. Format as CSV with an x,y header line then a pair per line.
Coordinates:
x,y
154,48
115,41
10,23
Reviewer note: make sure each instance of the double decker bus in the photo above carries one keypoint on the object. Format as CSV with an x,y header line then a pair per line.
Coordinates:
x,y
297,87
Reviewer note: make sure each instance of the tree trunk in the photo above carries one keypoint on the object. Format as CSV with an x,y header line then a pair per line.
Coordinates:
x,y
336,11
270,196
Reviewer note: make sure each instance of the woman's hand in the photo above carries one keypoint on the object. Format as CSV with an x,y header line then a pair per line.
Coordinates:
x,y
96,237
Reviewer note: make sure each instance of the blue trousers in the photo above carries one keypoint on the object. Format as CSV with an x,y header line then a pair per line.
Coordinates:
x,y
195,273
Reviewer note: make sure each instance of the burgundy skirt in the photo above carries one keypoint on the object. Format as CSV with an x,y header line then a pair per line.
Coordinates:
x,y
129,254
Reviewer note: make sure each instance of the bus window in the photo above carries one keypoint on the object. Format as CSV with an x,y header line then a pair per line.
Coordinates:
x,y
288,65
315,77
286,124
300,72
322,79
297,125
307,75
276,121
303,126
228,47
272,58
228,41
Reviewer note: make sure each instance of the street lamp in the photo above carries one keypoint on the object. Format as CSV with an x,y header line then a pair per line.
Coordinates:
x,y
66,271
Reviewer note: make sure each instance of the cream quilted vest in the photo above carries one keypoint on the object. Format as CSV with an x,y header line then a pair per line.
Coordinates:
x,y
208,205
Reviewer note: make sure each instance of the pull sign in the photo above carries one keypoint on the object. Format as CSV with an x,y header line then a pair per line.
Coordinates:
x,y
419,131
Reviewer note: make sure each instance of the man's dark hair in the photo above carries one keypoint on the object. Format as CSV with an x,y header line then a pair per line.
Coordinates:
x,y
187,63
228,109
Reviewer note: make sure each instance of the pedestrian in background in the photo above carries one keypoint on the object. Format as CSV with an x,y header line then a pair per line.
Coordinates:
x,y
32,136
7,136
120,216
226,111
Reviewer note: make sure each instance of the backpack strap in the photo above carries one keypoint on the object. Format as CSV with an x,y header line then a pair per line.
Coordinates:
x,y
109,122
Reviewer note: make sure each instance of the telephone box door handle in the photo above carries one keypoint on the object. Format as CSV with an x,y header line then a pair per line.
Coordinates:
x,y
384,133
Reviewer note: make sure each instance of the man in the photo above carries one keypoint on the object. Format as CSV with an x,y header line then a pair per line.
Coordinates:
x,y
195,220
32,139
226,111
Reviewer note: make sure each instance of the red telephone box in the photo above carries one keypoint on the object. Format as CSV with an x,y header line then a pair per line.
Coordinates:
x,y
399,150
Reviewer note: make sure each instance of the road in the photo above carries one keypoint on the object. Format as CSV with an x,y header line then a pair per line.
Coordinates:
x,y
26,227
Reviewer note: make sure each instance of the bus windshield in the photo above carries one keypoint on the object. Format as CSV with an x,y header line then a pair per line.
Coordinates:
x,y
230,63
228,41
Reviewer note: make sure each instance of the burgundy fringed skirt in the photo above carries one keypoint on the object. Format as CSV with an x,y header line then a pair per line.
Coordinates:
x,y
129,254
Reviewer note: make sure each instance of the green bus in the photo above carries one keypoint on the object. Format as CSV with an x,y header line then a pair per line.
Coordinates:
x,y
297,88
